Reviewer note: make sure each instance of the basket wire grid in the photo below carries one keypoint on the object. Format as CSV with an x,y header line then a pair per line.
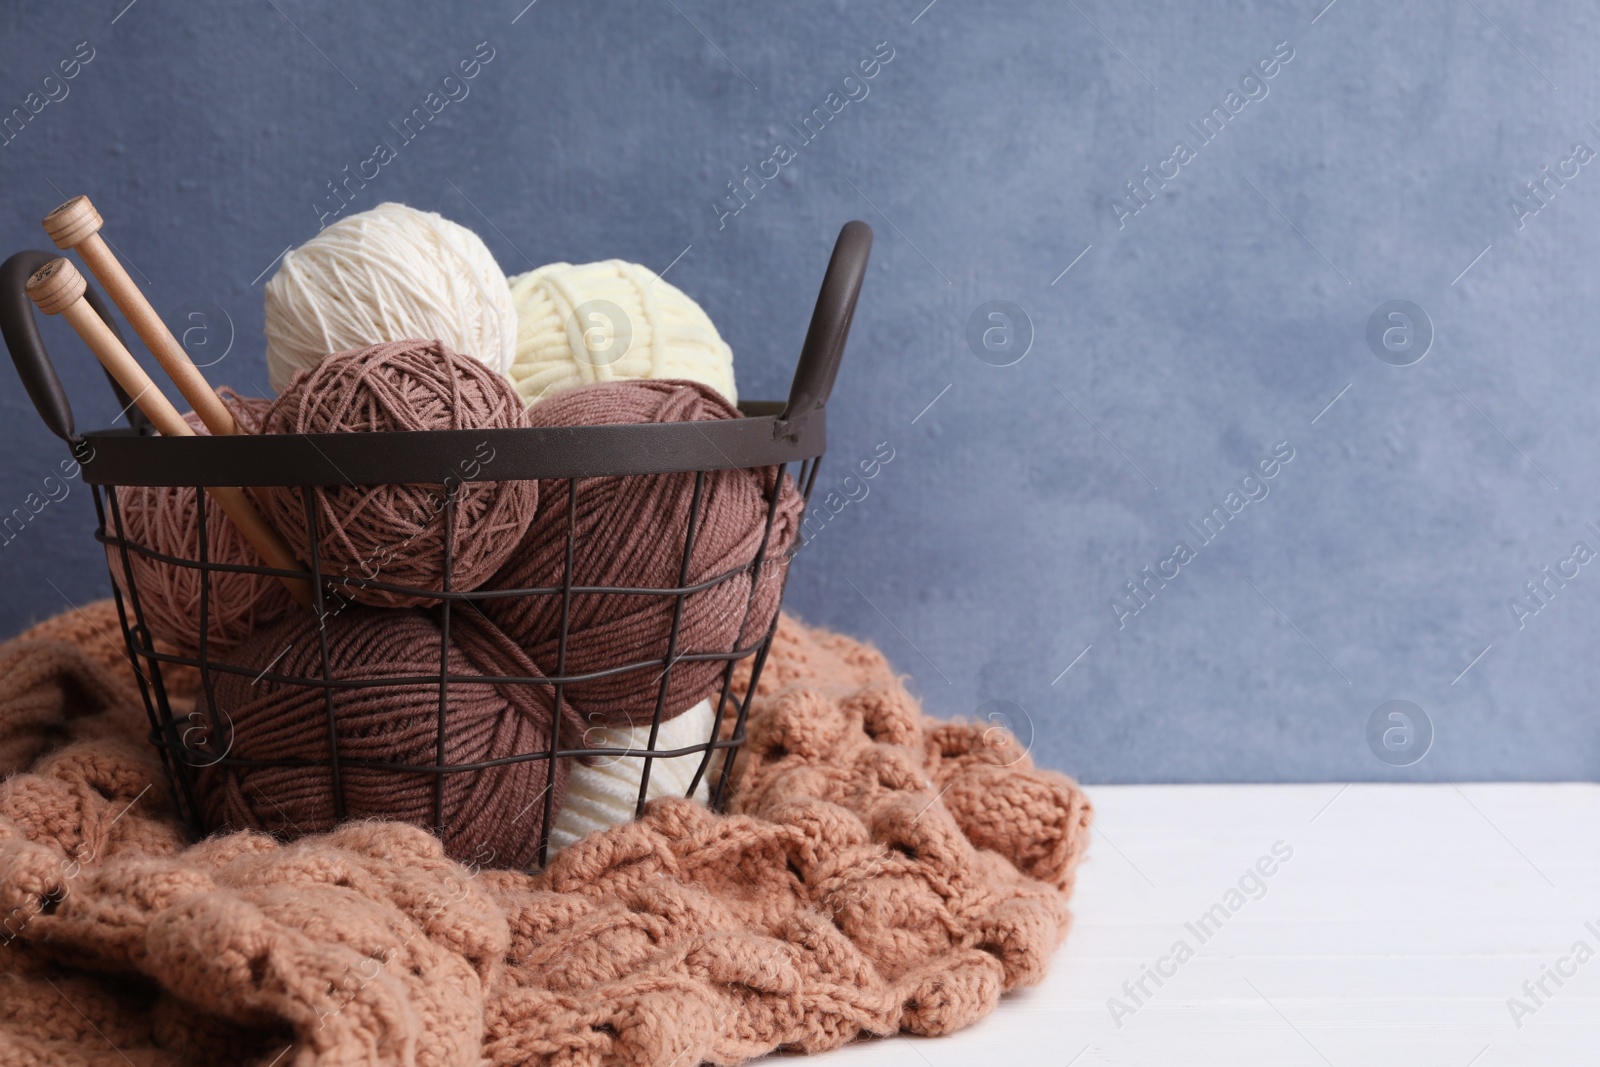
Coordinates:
x,y
771,439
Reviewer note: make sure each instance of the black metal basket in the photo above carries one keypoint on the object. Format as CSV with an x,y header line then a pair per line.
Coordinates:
x,y
772,435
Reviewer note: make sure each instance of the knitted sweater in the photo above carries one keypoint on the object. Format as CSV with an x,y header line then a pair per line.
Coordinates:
x,y
878,871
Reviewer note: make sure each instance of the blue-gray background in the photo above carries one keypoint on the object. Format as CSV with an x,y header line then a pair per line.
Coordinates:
x,y
1178,350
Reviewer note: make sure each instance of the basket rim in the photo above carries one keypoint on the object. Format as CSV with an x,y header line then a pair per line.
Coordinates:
x,y
134,457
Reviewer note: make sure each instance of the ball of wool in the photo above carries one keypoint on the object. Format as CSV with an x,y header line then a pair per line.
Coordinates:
x,y
611,321
396,533
491,816
166,519
605,792
384,275
630,532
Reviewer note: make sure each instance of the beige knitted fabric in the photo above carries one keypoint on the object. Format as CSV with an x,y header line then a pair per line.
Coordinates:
x,y
881,872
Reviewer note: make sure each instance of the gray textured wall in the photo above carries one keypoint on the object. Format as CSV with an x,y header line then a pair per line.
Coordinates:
x,y
1188,341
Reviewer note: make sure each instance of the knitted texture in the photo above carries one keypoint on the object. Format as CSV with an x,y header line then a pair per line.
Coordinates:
x,y
879,872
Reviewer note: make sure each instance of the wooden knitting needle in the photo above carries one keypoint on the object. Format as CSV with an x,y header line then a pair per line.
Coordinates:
x,y
57,288
76,224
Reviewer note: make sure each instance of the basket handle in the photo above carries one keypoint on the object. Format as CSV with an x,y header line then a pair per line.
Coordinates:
x,y
20,329
830,326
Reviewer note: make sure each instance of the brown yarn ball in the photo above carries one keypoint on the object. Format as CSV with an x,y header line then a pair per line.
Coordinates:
x,y
492,817
166,519
630,532
396,533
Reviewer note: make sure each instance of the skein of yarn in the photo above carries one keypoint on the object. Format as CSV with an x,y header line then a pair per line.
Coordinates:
x,y
611,321
631,532
395,534
384,275
491,817
606,792
166,519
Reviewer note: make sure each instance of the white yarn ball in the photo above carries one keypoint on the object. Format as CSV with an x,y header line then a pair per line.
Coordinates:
x,y
606,793
611,321
388,274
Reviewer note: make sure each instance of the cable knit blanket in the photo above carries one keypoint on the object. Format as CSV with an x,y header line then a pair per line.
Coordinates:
x,y
878,872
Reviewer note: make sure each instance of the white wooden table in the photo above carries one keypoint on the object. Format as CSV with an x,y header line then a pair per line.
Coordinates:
x,y
1405,920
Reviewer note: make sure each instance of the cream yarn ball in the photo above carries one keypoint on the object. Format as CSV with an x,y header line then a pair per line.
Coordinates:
x,y
389,274
611,321
606,793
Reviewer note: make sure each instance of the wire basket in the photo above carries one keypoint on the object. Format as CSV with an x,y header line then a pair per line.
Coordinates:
x,y
775,436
